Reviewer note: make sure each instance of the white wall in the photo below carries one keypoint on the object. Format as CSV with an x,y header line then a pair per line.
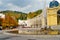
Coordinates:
x,y
2,15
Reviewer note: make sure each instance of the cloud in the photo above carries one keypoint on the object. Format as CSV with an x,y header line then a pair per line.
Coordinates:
x,y
1,2
38,0
58,1
23,5
17,8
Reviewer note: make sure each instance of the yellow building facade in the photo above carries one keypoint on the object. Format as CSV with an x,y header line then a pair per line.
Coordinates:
x,y
52,16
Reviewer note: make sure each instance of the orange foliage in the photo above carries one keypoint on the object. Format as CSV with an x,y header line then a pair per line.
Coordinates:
x,y
9,21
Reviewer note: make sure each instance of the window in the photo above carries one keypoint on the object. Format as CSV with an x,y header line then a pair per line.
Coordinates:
x,y
58,17
58,12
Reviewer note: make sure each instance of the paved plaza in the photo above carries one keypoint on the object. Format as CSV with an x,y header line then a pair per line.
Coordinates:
x,y
29,37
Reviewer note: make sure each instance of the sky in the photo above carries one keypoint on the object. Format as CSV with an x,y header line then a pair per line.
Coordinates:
x,y
23,5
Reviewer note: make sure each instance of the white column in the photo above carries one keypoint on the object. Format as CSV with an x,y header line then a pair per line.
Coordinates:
x,y
44,15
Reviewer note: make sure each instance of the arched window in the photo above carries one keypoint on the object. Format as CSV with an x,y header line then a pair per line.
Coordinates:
x,y
58,12
58,17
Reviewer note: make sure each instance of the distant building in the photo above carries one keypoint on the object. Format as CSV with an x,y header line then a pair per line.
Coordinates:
x,y
22,23
35,22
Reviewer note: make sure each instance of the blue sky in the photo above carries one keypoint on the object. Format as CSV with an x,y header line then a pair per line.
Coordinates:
x,y
22,5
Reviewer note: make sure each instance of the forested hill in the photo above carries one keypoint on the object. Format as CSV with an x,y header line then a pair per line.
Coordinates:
x,y
21,15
